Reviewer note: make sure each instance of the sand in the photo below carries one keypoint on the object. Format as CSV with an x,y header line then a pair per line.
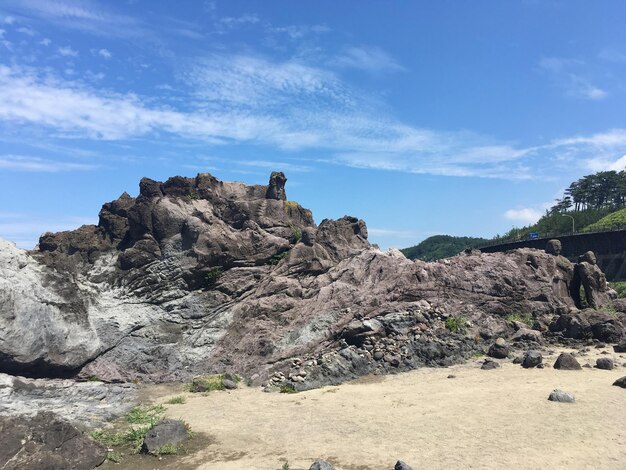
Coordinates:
x,y
480,419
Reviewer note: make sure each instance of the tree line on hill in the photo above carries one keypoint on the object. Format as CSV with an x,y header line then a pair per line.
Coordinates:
x,y
595,202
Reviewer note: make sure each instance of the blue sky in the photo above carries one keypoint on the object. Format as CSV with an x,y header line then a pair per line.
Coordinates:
x,y
421,117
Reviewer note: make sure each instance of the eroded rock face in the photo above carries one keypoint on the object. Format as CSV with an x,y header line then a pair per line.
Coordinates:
x,y
45,441
195,275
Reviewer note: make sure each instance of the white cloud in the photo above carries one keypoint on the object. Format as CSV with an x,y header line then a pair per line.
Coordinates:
x,y
35,164
393,233
600,164
25,30
67,51
104,53
45,42
525,215
368,58
9,20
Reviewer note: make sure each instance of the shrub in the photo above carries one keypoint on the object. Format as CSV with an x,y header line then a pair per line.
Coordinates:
x,y
274,260
207,383
296,233
456,324
516,316
288,388
213,274
620,288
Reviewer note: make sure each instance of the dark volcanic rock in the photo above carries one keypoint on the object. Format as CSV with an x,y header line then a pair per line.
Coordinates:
x,y
566,361
605,363
198,276
620,348
169,432
489,365
400,465
45,441
499,349
531,359
621,382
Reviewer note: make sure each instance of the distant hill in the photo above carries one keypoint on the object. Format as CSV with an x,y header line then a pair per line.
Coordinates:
x,y
441,246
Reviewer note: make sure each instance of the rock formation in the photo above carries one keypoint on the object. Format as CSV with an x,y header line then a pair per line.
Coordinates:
x,y
195,275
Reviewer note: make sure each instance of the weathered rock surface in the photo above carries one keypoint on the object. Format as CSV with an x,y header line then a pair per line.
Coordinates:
x,y
605,363
169,432
44,441
197,276
400,465
567,361
621,382
84,403
532,358
320,464
499,349
561,396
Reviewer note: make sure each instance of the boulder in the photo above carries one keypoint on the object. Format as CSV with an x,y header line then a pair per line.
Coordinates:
x,y
229,384
45,441
532,358
169,432
567,361
320,464
621,382
499,349
526,334
605,363
489,365
561,396
621,347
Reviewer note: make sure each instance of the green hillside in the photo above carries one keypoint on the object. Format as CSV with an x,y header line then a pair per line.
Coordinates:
x,y
614,221
441,246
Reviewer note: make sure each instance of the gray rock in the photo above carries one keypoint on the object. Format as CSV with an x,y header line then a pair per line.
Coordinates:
x,y
561,396
567,361
168,432
525,334
532,358
400,465
229,384
605,363
45,441
320,464
621,382
489,365
499,349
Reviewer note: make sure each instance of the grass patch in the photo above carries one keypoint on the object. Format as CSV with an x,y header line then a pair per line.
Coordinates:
x,y
177,400
285,466
167,449
274,260
456,324
115,457
145,414
516,316
207,383
288,388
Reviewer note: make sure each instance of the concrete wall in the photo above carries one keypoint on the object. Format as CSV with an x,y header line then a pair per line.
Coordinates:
x,y
609,247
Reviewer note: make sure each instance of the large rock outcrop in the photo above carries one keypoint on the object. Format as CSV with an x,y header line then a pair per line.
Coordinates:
x,y
196,275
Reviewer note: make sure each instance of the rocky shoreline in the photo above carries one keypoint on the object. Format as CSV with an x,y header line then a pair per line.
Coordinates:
x,y
196,276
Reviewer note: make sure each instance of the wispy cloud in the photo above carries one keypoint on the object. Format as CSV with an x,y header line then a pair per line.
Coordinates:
x,y
393,233
35,164
368,58
26,30
67,51
300,31
569,74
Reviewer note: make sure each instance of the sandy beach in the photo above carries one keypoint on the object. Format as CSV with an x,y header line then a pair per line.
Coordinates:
x,y
477,419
